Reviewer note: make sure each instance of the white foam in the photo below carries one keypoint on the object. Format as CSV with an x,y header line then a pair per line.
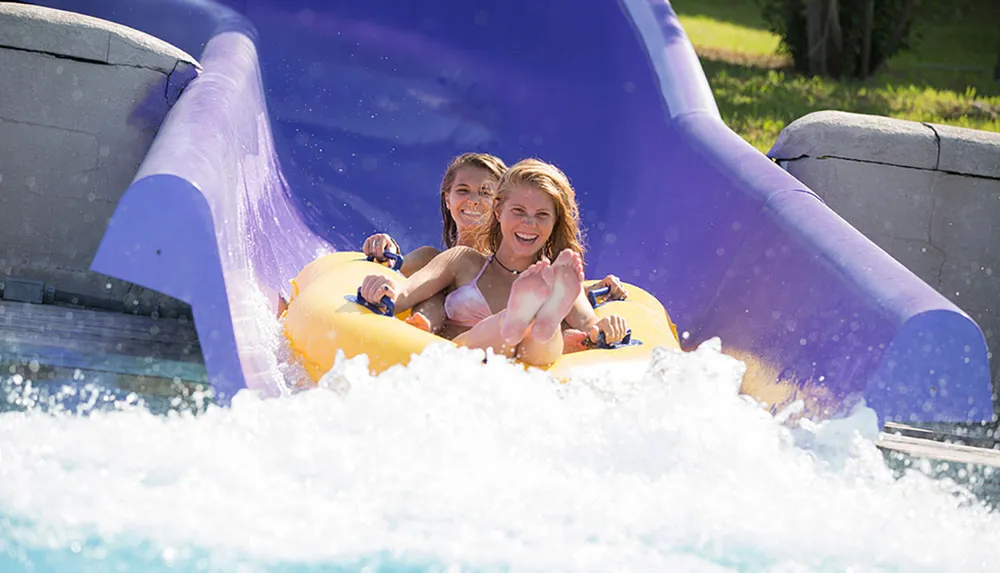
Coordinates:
x,y
450,461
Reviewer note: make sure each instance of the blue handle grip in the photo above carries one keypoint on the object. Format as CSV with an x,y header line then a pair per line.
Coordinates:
x,y
593,295
390,306
602,341
397,260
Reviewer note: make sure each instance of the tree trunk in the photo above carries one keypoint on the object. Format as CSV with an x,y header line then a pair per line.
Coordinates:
x,y
834,38
815,41
866,39
996,67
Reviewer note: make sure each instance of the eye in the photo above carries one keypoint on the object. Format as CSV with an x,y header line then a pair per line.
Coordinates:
x,y
517,211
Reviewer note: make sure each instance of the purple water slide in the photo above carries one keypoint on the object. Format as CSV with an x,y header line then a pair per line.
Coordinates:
x,y
364,103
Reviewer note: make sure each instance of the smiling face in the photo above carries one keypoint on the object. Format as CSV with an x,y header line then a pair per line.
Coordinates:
x,y
470,197
527,216
535,214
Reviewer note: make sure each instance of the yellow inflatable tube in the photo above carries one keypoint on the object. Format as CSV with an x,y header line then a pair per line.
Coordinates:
x,y
323,318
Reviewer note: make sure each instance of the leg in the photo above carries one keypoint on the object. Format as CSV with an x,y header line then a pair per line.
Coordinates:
x,y
538,351
486,334
527,295
544,343
528,328
530,350
565,276
418,320
432,310
503,331
574,340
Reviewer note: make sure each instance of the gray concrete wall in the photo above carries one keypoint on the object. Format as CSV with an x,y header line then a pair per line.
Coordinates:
x,y
928,194
81,100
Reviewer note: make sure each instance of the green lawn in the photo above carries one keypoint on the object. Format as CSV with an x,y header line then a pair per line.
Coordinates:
x,y
947,78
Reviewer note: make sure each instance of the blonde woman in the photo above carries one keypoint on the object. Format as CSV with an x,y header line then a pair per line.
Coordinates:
x,y
467,193
512,300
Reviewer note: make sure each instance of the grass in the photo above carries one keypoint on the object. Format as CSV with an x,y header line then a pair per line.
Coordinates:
x,y
947,78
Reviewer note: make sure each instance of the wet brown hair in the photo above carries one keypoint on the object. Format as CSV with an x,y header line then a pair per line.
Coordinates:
x,y
491,163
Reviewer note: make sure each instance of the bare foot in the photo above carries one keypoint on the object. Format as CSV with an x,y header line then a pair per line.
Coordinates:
x,y
574,341
565,278
527,295
420,321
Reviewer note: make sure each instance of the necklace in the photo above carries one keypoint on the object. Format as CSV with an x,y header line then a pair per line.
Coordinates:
x,y
504,267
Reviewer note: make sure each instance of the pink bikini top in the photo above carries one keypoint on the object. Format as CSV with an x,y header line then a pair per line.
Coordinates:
x,y
466,306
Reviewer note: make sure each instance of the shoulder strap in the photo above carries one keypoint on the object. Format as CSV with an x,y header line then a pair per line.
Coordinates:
x,y
482,270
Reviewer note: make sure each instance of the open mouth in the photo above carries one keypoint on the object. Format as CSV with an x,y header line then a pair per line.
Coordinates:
x,y
471,214
526,239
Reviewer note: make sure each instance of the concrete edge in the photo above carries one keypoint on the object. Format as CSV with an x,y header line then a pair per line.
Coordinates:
x,y
968,151
890,141
860,137
71,35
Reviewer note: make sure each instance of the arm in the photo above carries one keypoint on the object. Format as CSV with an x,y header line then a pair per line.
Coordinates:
x,y
425,283
418,259
436,276
377,244
617,290
582,317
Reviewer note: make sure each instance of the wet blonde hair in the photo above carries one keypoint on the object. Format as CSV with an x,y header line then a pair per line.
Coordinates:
x,y
566,232
491,163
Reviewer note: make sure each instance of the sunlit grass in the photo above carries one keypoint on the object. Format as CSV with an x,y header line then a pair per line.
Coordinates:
x,y
713,33
947,79
758,103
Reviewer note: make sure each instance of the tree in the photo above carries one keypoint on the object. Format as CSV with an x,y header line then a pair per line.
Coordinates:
x,y
996,68
840,38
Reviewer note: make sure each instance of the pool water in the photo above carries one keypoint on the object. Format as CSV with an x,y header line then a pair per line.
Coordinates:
x,y
452,465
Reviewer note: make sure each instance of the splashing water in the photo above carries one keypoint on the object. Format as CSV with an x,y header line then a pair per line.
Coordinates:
x,y
450,464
